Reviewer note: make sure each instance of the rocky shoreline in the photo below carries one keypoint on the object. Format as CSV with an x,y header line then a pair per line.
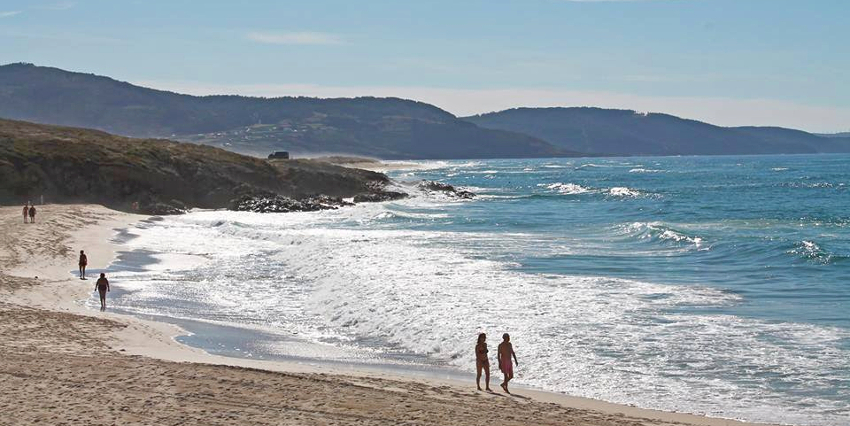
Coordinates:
x,y
57,164
274,203
268,202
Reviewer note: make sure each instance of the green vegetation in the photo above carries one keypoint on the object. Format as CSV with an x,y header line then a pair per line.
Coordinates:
x,y
388,128
78,165
626,132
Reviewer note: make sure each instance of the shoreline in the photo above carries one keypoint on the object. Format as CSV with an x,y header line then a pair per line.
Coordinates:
x,y
96,228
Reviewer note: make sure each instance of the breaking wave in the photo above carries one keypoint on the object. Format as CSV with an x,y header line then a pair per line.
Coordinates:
x,y
661,232
566,188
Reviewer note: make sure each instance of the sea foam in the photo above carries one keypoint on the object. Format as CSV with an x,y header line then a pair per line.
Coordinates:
x,y
316,277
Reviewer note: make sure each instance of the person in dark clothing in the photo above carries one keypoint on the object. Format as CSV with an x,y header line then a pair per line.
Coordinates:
x,y
482,362
32,214
102,286
26,211
84,261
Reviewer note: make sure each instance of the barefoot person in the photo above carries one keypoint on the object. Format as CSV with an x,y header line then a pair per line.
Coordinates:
x,y
506,351
32,213
84,261
482,362
102,286
26,211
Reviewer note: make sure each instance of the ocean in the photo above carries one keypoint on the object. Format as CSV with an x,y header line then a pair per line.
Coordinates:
x,y
709,285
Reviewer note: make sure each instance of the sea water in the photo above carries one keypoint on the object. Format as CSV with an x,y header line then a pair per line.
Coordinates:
x,y
713,285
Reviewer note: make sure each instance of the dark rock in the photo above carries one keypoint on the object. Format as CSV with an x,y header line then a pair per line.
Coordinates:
x,y
467,195
161,209
378,196
178,204
273,203
326,200
432,186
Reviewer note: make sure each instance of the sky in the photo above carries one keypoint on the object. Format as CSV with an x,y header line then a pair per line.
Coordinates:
x,y
727,62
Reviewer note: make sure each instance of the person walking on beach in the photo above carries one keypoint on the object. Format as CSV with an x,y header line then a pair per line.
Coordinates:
x,y
84,261
102,286
32,213
26,211
482,362
506,351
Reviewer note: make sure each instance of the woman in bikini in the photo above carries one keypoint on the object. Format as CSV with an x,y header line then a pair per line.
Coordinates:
x,y
482,362
84,261
102,286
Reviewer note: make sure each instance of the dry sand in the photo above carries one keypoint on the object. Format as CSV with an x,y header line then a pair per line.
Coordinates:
x,y
63,364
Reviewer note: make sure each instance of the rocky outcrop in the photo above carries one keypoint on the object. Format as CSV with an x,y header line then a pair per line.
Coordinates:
x,y
273,203
161,177
444,188
379,196
153,176
161,209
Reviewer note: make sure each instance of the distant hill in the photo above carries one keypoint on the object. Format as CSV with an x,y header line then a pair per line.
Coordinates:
x,y
786,140
387,128
626,132
79,165
835,135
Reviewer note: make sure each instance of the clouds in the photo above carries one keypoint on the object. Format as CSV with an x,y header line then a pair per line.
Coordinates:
x,y
64,5
295,38
649,55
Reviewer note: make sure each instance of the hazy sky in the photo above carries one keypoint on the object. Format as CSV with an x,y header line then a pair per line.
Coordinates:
x,y
729,62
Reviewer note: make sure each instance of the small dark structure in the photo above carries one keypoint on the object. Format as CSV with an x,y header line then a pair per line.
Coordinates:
x,y
279,155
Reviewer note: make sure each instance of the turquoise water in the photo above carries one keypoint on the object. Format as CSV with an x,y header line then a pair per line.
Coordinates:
x,y
774,230
711,285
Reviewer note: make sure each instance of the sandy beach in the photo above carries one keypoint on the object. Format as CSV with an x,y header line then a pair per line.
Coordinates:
x,y
64,364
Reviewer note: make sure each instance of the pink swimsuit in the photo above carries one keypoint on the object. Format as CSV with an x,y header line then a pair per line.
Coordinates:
x,y
507,366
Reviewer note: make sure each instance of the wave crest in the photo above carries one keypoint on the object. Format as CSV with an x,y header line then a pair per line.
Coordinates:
x,y
662,232
566,188
812,252
622,191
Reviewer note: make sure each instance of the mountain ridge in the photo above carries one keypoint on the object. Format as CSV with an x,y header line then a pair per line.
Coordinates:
x,y
392,128
388,128
627,132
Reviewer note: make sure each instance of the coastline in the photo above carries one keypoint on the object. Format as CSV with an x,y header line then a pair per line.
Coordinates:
x,y
383,166
336,394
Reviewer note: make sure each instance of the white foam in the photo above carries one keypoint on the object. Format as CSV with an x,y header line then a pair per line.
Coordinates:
x,y
333,277
622,191
589,166
565,188
812,251
661,231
